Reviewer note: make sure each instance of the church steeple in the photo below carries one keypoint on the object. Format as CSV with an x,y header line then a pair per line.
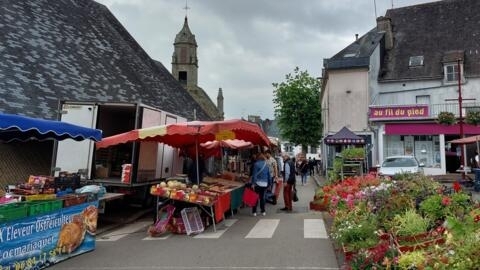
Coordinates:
x,y
184,58
220,101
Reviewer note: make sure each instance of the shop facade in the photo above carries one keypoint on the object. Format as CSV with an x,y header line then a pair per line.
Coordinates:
x,y
411,130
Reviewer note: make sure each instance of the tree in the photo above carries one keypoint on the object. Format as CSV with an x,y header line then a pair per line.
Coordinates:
x,y
297,108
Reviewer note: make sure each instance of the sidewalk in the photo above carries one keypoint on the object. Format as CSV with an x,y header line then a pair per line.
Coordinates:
x,y
327,218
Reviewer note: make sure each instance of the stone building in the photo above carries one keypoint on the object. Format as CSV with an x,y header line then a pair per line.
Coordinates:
x,y
73,50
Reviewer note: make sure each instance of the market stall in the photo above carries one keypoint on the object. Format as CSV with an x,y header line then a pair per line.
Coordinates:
x,y
215,196
40,224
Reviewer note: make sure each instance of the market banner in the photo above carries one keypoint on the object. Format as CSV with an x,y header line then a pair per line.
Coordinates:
x,y
37,242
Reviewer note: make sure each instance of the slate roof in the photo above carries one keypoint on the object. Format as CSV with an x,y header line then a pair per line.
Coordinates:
x,y
77,50
433,30
357,54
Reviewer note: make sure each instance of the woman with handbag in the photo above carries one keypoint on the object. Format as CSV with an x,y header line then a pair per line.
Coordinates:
x,y
260,179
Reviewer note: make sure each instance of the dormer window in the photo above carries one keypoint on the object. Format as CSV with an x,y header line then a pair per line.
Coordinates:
x,y
415,61
450,71
452,66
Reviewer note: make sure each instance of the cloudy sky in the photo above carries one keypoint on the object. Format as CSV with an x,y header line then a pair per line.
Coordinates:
x,y
246,45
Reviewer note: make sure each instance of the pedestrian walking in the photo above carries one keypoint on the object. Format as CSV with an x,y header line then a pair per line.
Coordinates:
x,y
303,167
289,176
311,165
260,178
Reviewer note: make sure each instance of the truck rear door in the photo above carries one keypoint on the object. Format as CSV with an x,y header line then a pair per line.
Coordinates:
x,y
73,156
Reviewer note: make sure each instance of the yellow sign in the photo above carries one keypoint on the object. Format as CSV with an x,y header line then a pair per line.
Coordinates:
x,y
225,135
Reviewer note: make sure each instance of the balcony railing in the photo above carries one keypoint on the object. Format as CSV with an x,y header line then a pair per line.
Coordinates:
x,y
435,109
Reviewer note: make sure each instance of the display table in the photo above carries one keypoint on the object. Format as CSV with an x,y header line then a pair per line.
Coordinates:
x,y
235,189
227,196
109,196
206,207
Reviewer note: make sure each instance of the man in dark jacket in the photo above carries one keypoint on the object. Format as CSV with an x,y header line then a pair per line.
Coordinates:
x,y
289,178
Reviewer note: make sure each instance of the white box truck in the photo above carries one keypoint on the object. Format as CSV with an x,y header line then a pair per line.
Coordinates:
x,y
151,162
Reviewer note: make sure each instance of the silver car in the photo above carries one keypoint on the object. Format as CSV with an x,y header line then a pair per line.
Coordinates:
x,y
400,164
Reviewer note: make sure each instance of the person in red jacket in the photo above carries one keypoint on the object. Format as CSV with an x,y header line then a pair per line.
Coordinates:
x,y
289,176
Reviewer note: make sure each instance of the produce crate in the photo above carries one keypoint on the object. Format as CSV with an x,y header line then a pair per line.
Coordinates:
x,y
67,182
74,199
42,207
12,211
40,197
192,220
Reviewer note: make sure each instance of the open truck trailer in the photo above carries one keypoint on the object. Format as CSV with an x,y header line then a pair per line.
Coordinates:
x,y
150,162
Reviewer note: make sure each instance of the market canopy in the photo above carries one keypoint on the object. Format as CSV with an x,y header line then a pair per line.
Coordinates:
x,y
467,140
214,148
185,134
23,128
344,136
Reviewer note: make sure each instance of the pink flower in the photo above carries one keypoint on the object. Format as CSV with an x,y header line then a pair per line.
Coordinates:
x,y
446,201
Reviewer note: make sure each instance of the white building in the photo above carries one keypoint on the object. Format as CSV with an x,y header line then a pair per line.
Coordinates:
x,y
390,84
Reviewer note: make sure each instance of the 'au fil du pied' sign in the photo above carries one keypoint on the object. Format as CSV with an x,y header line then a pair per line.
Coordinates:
x,y
398,112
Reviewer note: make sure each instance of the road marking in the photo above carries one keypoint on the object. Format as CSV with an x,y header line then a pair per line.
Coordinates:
x,y
227,223
314,228
124,231
263,229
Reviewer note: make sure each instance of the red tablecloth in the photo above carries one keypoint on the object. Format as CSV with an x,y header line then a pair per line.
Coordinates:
x,y
222,205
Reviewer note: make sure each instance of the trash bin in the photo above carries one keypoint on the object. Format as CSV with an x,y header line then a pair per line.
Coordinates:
x,y
476,185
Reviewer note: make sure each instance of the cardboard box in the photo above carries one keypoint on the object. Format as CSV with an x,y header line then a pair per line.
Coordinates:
x,y
101,172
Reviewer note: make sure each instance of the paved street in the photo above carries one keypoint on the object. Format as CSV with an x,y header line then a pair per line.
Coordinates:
x,y
278,240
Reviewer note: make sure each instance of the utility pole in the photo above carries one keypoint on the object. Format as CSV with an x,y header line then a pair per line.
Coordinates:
x,y
460,117
460,123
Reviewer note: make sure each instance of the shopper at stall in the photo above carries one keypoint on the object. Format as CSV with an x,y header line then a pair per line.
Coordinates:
x,y
271,194
289,176
260,179
192,171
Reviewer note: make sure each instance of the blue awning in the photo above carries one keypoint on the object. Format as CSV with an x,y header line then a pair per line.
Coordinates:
x,y
22,128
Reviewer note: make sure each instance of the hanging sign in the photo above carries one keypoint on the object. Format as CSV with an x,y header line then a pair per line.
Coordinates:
x,y
225,135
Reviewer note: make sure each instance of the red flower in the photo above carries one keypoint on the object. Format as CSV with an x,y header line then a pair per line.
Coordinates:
x,y
456,186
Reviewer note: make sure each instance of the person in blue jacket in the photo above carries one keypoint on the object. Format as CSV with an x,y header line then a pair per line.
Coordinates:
x,y
260,181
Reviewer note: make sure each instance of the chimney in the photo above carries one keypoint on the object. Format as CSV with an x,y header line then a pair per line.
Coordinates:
x,y
356,37
384,24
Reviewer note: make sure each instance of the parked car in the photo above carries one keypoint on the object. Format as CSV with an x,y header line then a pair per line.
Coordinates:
x,y
400,164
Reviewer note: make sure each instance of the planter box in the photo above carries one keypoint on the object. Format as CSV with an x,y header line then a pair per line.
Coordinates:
x,y
421,245
318,206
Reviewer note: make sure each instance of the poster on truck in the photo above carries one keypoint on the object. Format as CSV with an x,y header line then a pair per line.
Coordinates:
x,y
36,242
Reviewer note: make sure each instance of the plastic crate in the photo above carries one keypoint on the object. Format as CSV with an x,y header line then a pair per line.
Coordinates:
x,y
192,220
12,211
40,197
42,207
71,182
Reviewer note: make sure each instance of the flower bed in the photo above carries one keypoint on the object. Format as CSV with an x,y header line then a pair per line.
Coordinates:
x,y
373,217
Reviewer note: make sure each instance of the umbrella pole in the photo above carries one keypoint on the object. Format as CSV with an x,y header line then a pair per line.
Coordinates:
x,y
196,154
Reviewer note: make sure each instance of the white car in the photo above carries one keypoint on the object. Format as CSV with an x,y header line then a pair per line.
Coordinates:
x,y
400,164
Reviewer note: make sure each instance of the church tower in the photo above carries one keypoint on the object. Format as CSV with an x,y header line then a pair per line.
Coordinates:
x,y
185,70
184,58
220,101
